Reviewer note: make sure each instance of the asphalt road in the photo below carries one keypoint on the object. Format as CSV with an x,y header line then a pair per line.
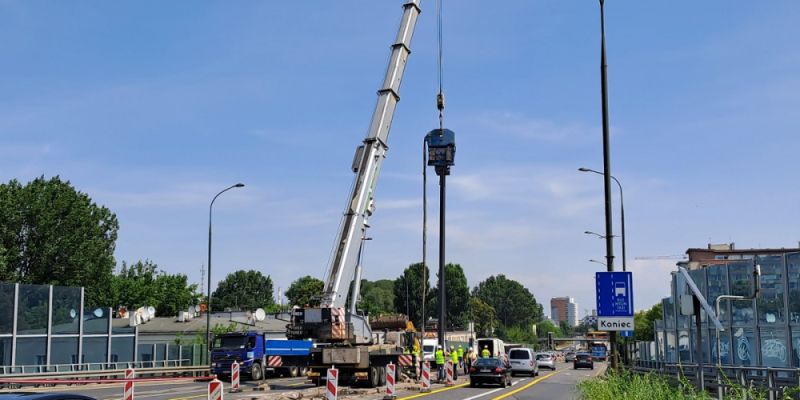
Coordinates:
x,y
560,384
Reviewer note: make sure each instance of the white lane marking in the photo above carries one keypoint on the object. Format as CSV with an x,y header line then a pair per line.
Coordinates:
x,y
493,391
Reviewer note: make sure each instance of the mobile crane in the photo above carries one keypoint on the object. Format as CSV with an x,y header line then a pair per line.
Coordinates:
x,y
343,337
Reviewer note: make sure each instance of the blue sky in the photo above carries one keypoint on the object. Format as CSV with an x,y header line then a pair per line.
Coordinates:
x,y
152,107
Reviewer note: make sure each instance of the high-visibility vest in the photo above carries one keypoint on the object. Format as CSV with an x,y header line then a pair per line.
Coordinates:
x,y
439,357
460,352
485,353
454,356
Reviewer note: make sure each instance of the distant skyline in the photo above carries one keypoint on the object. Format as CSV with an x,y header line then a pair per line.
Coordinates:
x,y
151,108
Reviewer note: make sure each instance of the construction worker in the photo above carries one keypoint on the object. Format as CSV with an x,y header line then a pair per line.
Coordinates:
x,y
473,356
467,360
485,352
440,363
460,357
454,359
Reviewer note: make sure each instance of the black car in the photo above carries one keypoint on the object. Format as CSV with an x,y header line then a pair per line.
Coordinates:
x,y
43,396
583,360
490,370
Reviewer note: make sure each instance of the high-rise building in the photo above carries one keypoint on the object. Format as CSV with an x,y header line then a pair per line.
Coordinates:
x,y
564,309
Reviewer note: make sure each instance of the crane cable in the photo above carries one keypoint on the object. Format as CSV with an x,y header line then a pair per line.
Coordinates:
x,y
440,107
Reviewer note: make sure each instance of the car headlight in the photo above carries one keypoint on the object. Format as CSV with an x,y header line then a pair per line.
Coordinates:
x,y
213,365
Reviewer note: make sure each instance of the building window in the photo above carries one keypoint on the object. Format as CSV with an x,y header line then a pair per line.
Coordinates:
x,y
5,351
64,350
95,349
741,284
744,347
66,309
718,286
31,351
122,349
793,265
774,352
771,308
796,346
6,307
33,309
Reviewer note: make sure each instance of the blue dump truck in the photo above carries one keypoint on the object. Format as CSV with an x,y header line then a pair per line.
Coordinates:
x,y
599,351
258,355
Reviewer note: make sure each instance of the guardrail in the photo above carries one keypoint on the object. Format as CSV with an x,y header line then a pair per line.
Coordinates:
x,y
102,376
778,383
66,368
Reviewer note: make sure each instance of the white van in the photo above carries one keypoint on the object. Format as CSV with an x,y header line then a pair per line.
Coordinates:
x,y
523,361
429,349
496,347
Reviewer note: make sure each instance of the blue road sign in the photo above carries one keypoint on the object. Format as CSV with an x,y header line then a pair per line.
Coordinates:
x,y
614,294
626,333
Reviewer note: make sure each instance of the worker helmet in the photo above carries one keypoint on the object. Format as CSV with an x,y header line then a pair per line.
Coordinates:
x,y
485,346
470,349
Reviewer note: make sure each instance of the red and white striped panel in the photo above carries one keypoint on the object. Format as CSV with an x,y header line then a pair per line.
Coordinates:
x,y
127,387
235,377
449,381
215,391
390,374
426,376
405,360
274,361
332,387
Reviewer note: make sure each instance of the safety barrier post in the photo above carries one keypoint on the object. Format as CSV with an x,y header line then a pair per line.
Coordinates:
x,y
426,377
449,377
215,391
390,375
127,391
235,378
332,384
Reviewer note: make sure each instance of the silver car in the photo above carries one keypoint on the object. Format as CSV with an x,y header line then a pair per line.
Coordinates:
x,y
523,361
546,360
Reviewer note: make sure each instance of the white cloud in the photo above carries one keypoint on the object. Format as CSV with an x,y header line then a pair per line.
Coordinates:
x,y
523,126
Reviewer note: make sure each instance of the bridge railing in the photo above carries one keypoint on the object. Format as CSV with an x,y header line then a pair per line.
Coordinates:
x,y
778,383
42,370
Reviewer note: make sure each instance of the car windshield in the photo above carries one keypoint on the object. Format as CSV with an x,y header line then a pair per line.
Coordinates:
x,y
519,355
230,342
583,356
427,349
487,362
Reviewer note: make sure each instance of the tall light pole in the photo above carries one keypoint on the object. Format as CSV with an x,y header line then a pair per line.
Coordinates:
x,y
208,301
599,236
621,213
598,262
607,166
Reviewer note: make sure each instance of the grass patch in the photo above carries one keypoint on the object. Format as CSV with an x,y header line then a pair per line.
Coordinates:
x,y
626,385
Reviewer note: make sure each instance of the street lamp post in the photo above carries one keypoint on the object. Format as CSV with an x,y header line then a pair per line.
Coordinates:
x,y
621,214
598,262
208,301
597,234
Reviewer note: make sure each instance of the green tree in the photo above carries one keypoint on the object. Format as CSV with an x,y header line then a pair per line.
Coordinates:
x,y
377,297
514,304
546,326
51,233
412,282
483,316
643,322
243,290
305,290
142,284
457,295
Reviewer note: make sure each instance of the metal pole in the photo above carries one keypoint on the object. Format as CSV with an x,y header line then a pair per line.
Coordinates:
x,y
442,299
607,168
208,301
699,348
622,218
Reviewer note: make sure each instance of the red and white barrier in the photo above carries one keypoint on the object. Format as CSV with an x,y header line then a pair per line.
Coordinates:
x,y
390,375
332,386
215,391
405,360
274,361
449,378
426,376
127,387
235,378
